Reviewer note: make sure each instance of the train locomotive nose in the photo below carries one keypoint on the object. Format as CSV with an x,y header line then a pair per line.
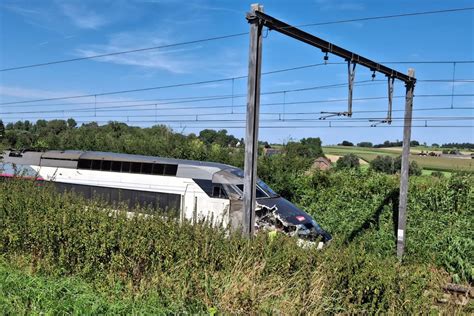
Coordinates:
x,y
280,214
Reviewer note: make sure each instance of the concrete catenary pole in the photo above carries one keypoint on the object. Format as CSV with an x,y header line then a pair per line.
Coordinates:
x,y
402,206
253,109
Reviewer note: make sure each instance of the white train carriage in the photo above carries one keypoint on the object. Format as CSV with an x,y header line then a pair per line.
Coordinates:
x,y
194,190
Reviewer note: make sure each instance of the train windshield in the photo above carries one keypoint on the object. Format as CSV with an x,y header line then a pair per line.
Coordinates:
x,y
234,177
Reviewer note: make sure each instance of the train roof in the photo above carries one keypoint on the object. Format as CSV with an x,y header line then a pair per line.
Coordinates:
x,y
69,159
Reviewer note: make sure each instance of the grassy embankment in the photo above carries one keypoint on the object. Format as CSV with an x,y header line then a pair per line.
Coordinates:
x,y
60,254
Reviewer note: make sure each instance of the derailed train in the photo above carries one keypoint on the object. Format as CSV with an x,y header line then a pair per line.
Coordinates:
x,y
196,190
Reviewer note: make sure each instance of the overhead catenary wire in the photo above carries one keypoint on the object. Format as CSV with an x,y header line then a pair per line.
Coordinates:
x,y
136,107
196,118
202,83
190,99
229,36
175,86
274,126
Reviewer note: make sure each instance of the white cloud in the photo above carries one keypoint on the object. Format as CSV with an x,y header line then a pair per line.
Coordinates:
x,y
82,17
18,92
174,60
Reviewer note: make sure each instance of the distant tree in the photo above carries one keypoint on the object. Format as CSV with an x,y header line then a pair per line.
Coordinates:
x,y
382,164
365,144
71,123
297,149
458,145
414,143
387,143
346,143
435,145
56,126
314,146
41,124
19,125
414,169
349,161
210,136
27,126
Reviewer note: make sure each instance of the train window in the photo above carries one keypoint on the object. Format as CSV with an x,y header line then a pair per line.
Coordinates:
x,y
116,165
260,193
136,167
84,164
218,192
106,165
146,168
170,170
96,164
158,169
125,166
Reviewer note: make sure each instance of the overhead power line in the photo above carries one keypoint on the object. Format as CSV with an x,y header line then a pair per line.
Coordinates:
x,y
276,126
189,118
144,49
235,113
386,17
154,106
230,36
95,95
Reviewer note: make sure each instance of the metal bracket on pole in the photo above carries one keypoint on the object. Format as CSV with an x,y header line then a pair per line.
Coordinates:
x,y
388,120
390,99
331,114
351,77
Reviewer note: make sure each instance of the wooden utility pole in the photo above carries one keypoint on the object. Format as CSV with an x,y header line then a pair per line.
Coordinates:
x,y
253,109
402,206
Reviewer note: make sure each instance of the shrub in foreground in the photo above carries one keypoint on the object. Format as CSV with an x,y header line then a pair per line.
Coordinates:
x,y
184,268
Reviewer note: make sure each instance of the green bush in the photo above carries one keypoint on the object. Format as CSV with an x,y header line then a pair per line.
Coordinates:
x,y
349,161
437,174
177,267
389,165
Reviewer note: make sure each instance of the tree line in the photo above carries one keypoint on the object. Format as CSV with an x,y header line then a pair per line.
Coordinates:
x,y
399,143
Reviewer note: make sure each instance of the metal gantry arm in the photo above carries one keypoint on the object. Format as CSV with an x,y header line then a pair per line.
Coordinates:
x,y
257,20
325,46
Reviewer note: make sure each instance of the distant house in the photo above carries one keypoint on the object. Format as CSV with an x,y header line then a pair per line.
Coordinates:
x,y
322,163
271,151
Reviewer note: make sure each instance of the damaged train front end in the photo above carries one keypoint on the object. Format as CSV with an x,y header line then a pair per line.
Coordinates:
x,y
273,212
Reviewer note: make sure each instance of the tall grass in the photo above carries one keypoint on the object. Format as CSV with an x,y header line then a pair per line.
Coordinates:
x,y
164,266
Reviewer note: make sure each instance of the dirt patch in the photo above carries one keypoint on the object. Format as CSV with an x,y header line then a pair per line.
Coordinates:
x,y
335,158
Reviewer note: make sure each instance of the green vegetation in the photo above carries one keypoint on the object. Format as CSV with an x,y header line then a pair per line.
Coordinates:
x,y
389,165
349,161
143,265
158,140
60,254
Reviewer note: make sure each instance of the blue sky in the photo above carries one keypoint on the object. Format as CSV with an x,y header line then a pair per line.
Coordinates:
x,y
40,31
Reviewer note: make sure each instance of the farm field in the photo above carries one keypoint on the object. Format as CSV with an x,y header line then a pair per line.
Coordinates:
x,y
426,162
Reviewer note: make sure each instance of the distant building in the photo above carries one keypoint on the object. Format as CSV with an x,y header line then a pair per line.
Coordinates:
x,y
271,151
322,163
